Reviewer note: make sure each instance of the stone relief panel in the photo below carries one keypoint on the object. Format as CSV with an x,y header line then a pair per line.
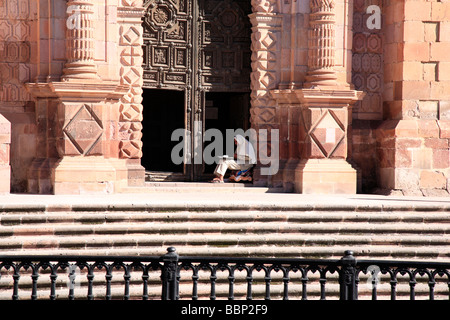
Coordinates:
x,y
167,46
82,131
367,73
325,132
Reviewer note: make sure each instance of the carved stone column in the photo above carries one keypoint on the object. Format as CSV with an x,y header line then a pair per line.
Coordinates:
x,y
321,56
80,63
76,117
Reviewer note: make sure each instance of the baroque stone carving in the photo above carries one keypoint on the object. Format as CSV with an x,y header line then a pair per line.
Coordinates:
x,y
264,76
84,131
131,74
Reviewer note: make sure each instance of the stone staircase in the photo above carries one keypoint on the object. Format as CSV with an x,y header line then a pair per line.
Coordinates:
x,y
303,230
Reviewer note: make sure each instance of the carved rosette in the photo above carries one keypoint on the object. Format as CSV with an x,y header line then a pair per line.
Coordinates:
x,y
131,74
80,41
321,43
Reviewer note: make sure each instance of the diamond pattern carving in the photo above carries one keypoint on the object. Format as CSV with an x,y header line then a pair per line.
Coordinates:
x,y
264,66
131,36
131,73
84,130
327,134
131,112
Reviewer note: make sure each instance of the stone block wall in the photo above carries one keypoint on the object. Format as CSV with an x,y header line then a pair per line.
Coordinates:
x,y
414,156
413,145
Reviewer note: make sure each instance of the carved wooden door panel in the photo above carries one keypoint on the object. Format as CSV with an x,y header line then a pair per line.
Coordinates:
x,y
224,45
197,46
167,44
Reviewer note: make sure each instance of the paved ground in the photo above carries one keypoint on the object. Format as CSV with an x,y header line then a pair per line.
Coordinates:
x,y
219,197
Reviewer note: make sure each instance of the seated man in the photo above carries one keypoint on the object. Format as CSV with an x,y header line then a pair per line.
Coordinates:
x,y
244,159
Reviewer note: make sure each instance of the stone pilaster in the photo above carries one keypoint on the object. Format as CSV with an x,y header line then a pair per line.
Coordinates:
x,y
318,117
131,74
266,42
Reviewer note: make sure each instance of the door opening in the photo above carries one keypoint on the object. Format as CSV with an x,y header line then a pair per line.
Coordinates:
x,y
163,113
226,110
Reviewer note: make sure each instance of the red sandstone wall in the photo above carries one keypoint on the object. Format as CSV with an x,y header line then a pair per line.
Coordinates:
x,y
413,145
18,65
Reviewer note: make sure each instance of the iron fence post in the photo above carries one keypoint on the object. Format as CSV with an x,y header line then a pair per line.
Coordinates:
x,y
347,277
169,275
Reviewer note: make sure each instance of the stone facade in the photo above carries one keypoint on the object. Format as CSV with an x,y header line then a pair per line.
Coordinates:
x,y
358,89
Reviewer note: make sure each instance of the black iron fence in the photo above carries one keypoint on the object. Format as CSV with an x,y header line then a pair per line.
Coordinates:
x,y
347,273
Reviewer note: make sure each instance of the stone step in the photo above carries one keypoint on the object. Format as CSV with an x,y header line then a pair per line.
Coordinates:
x,y
297,228
102,217
219,241
151,228
188,187
280,231
417,253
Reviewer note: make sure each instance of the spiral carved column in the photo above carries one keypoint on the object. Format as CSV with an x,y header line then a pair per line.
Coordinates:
x,y
321,60
80,41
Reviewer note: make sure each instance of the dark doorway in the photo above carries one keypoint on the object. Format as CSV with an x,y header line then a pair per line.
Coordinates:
x,y
226,110
163,113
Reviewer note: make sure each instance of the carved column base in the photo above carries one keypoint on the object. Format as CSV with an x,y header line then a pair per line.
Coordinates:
x,y
78,140
93,175
325,176
80,71
321,78
319,128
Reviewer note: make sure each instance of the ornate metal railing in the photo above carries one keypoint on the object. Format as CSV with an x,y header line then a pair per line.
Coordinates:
x,y
170,268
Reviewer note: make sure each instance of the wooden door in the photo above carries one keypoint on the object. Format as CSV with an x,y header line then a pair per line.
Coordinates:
x,y
197,47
